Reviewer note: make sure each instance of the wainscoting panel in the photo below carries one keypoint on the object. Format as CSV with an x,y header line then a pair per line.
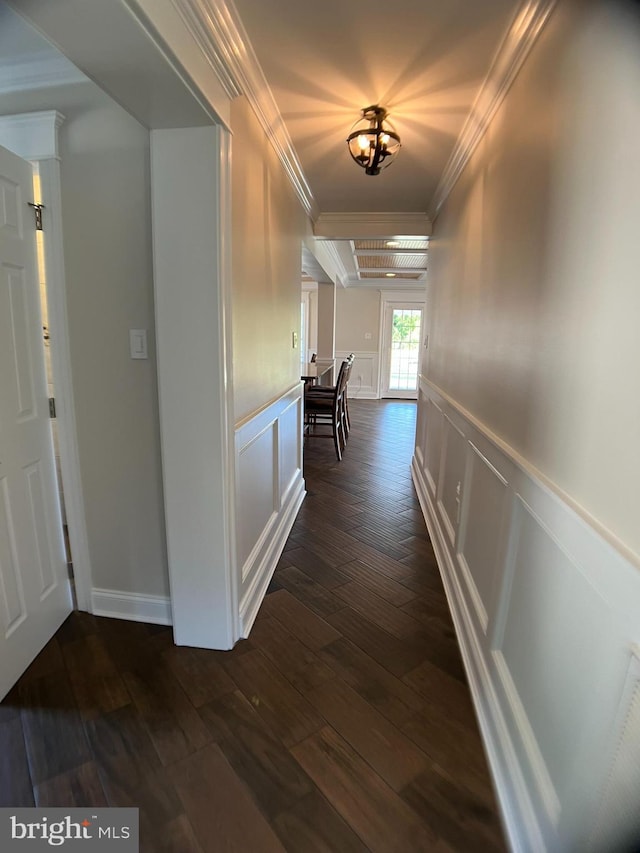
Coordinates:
x,y
433,443
269,491
452,467
363,384
546,611
258,492
481,532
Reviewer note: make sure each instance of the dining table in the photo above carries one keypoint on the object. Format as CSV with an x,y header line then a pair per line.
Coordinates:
x,y
314,373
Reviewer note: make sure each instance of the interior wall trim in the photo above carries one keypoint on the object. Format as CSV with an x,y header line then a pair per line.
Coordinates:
x,y
221,36
533,472
527,24
545,611
365,365
516,808
33,71
270,490
131,606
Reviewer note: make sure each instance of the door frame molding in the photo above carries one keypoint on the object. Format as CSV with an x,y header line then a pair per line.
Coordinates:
x,y
414,298
34,137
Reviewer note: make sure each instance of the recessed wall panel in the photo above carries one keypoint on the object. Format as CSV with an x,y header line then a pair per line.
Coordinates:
x,y
486,503
10,204
451,477
256,490
553,643
433,443
39,527
18,313
290,451
12,610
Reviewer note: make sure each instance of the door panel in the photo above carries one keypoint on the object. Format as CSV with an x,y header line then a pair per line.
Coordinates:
x,y
402,337
34,589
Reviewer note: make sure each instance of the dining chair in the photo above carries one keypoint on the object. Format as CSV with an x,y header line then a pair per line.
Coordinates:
x,y
327,409
329,389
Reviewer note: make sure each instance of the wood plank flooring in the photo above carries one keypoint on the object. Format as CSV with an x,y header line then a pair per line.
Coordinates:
x,y
343,723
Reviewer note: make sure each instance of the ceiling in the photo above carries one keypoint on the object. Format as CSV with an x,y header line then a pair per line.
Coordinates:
x,y
423,60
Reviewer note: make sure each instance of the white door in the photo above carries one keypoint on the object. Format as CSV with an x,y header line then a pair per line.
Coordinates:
x,y
35,596
401,350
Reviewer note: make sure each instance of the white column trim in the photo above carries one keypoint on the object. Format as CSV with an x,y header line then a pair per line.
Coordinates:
x,y
32,136
226,365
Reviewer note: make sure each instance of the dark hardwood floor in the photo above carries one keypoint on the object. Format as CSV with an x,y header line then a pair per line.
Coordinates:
x,y
343,724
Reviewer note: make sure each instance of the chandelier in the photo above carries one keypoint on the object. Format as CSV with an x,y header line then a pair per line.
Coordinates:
x,y
373,142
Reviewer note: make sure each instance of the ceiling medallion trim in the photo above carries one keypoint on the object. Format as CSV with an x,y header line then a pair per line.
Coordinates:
x,y
221,37
528,23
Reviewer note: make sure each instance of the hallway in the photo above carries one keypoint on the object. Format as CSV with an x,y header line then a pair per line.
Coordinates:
x,y
343,724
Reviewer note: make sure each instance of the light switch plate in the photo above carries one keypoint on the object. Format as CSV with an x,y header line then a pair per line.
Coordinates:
x,y
138,343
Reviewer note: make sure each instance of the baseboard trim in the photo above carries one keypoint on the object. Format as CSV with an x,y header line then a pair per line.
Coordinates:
x,y
131,606
516,810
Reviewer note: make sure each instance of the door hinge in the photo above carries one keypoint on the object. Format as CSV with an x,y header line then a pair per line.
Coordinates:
x,y
52,407
37,212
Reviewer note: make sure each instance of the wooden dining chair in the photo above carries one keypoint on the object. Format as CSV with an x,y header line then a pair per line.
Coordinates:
x,y
329,389
327,409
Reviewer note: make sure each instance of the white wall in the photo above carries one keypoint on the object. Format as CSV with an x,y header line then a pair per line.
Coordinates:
x,y
533,267
107,231
527,457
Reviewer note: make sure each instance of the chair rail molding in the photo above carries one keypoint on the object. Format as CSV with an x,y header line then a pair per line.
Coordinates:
x,y
545,609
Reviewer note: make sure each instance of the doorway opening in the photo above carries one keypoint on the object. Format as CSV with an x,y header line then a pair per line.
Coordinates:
x,y
402,337
46,340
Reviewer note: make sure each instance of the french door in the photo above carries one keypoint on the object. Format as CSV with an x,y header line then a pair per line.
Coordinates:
x,y
401,349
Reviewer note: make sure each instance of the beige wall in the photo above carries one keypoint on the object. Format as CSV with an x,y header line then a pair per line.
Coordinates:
x,y
533,294
268,226
357,314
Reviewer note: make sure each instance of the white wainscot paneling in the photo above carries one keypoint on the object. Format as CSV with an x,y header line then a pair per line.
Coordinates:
x,y
452,467
480,541
433,443
546,613
363,384
258,492
269,491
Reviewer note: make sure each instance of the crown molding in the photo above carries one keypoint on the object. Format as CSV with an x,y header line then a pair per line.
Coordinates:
x,y
332,250
35,71
220,35
528,23
363,226
33,136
